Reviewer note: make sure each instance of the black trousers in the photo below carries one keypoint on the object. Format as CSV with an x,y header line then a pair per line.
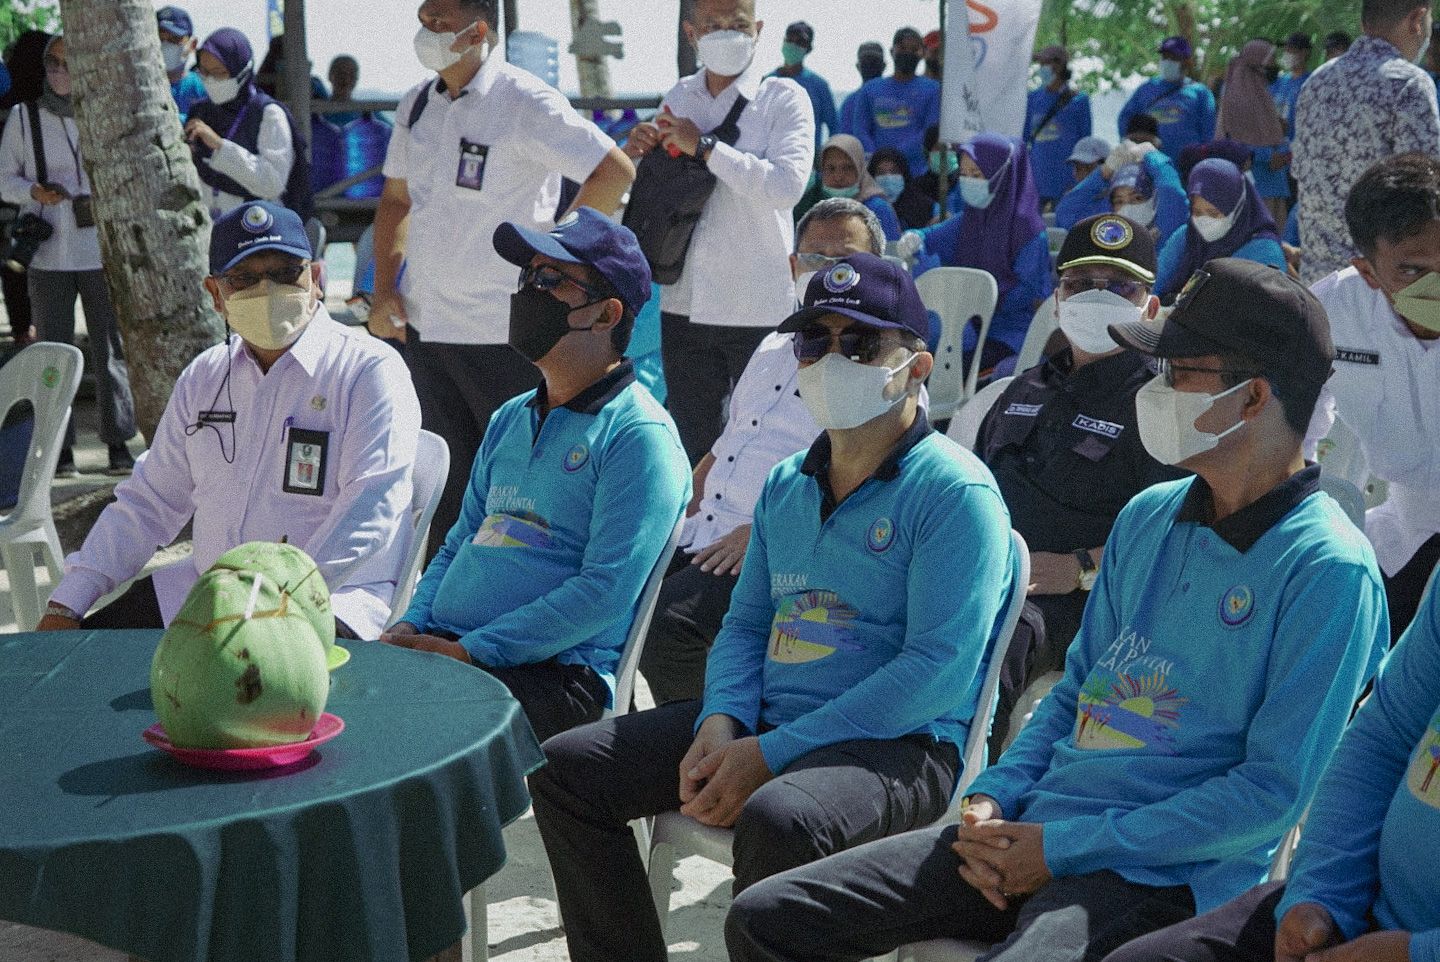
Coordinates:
x,y
602,776
459,386
1048,623
139,607
867,901
1241,930
1404,591
687,618
702,363
15,290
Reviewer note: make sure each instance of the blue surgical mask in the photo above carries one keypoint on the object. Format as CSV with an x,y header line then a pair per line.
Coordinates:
x,y
852,191
975,191
1171,71
1047,75
892,184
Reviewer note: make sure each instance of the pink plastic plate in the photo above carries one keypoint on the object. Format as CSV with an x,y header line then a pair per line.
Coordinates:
x,y
248,759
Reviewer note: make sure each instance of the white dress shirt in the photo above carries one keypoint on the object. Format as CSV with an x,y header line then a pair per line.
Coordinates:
x,y
70,248
456,288
356,527
737,271
264,172
1386,388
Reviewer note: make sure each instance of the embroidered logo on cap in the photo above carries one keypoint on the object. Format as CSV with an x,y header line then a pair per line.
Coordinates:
x,y
568,219
576,457
257,219
1237,606
841,278
880,536
1111,233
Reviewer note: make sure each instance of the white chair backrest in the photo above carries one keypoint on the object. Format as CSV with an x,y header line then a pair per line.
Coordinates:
x,y
959,295
1055,236
640,627
47,374
898,261
965,426
432,464
1049,218
1349,496
1042,325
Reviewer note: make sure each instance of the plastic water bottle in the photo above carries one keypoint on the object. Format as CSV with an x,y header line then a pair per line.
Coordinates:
x,y
365,139
535,52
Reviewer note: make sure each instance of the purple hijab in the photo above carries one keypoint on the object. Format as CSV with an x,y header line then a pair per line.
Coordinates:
x,y
1222,184
230,47
991,238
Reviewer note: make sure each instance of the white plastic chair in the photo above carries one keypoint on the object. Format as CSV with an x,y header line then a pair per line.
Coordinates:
x,y
46,374
1042,326
1055,237
432,464
965,425
959,295
674,834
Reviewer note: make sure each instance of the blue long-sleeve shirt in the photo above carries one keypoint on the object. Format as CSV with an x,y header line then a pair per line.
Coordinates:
x,y
1262,250
1185,112
187,92
562,522
1286,93
894,113
1369,843
847,113
839,628
1212,676
1092,196
885,213
822,99
1051,145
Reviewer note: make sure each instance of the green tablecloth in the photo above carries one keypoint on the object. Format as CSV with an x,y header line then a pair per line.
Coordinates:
x,y
362,852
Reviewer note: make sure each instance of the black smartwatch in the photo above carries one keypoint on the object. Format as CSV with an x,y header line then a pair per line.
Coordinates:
x,y
707,144
1088,569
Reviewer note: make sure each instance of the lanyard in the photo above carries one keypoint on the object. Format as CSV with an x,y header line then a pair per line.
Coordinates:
x,y
215,192
74,154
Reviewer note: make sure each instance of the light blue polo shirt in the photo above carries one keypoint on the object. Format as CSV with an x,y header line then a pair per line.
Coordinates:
x,y
563,520
1213,673
870,619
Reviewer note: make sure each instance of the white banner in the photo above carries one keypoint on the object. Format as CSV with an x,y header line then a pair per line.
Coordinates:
x,y
994,72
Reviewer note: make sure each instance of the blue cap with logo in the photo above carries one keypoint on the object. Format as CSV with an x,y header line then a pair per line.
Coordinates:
x,y
174,20
868,289
257,226
584,236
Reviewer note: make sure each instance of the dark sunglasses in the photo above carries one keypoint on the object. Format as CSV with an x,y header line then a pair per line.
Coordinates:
x,y
241,280
857,342
543,277
1071,285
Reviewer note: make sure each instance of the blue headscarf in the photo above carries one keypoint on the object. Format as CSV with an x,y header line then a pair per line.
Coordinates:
x,y
991,238
1222,184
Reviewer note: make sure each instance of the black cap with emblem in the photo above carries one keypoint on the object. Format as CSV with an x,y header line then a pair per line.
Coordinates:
x,y
1112,240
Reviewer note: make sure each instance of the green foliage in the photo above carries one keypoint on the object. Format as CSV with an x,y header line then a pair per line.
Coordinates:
x,y
1123,34
17,16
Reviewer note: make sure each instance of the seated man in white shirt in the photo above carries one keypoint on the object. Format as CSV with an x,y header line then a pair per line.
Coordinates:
x,y
1385,322
300,428
768,423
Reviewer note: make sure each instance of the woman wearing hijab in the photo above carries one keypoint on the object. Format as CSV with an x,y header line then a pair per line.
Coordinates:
x,y
26,66
843,174
997,228
913,206
1248,114
1227,220
67,263
245,143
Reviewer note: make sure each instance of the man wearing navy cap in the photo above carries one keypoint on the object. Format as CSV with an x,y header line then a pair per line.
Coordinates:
x,y
1236,617
574,494
177,46
841,684
1183,108
299,428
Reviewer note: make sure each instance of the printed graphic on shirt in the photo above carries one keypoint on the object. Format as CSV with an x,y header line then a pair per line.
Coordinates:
x,y
513,531
893,114
881,535
1168,114
811,626
1236,607
576,457
1129,699
1424,777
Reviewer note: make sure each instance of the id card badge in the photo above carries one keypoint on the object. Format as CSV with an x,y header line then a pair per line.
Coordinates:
x,y
471,174
305,462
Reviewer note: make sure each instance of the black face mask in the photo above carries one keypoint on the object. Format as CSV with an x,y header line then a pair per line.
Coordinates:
x,y
538,321
905,63
1272,73
870,69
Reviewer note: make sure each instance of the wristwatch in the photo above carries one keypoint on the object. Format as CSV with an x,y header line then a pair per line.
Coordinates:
x,y
1089,571
56,608
707,144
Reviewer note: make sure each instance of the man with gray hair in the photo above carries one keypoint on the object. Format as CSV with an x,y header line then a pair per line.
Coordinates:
x,y
768,423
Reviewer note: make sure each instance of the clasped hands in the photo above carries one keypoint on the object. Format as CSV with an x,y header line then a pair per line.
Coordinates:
x,y
679,135
999,859
720,772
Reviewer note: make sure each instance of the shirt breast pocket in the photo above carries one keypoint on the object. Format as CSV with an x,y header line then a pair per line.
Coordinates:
x,y
1093,447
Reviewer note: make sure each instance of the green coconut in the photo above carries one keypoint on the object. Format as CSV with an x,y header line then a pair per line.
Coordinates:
x,y
296,573
241,666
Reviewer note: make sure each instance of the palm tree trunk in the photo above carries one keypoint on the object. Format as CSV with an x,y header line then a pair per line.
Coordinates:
x,y
154,227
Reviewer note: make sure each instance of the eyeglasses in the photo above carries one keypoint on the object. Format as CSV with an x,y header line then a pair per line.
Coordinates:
x,y
241,280
543,277
857,342
816,262
1166,369
1072,284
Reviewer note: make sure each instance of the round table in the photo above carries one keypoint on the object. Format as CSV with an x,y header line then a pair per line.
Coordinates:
x,y
363,851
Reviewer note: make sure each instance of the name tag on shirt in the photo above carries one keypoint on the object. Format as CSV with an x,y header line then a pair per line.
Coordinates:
x,y
305,462
1024,410
1352,356
471,173
217,417
1095,426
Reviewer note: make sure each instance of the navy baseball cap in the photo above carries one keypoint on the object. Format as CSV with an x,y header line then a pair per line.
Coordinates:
x,y
1177,47
588,237
174,20
868,289
257,226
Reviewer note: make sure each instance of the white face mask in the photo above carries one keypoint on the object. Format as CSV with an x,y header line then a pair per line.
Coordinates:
x,y
1166,418
842,393
1171,71
1293,63
434,53
726,53
221,91
270,316
975,191
1211,229
174,55
801,283
1086,317
1143,214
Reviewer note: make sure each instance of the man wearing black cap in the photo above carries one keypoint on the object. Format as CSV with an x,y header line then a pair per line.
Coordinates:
x,y
1236,617
798,44
1063,444
870,61
573,495
841,684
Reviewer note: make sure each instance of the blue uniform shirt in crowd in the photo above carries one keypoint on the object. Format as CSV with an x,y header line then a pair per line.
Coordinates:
x,y
821,98
1286,91
1262,250
870,619
4,80
893,113
1092,196
1184,111
847,113
188,91
1368,848
885,213
562,522
1050,147
1212,676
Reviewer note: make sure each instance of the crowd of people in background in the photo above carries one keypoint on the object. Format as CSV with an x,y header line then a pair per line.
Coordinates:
x,y
1239,266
